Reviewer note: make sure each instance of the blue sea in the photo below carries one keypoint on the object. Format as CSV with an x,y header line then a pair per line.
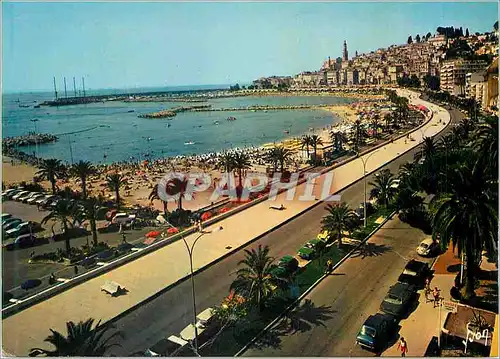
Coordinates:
x,y
108,132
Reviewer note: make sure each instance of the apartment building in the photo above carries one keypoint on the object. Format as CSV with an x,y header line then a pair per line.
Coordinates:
x,y
453,74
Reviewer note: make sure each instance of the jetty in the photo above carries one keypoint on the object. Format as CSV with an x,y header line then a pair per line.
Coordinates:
x,y
263,108
174,111
28,140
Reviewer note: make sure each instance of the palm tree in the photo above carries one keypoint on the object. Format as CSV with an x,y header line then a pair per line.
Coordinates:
x,y
447,143
82,340
339,219
283,156
338,138
466,215
272,157
306,142
241,163
177,186
358,134
383,189
154,195
375,125
115,181
65,213
83,170
255,280
51,169
486,143
226,162
91,206
389,121
315,142
427,151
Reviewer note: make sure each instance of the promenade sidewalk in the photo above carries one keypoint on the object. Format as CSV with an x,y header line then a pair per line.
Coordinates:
x,y
153,272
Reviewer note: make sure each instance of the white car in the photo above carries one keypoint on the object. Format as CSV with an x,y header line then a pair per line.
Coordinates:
x,y
45,197
427,247
35,198
26,196
20,194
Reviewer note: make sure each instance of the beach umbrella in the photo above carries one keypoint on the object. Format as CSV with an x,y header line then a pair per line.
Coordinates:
x,y
172,230
152,234
206,216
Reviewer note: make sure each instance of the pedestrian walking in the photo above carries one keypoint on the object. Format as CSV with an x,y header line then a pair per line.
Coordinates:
x,y
121,228
76,270
403,346
200,227
435,294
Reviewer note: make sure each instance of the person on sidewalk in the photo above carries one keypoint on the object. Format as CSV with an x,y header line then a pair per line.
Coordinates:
x,y
435,294
403,346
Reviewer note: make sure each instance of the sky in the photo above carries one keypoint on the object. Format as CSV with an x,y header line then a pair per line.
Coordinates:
x,y
127,45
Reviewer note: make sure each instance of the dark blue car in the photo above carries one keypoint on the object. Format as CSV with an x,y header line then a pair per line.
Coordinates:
x,y
376,331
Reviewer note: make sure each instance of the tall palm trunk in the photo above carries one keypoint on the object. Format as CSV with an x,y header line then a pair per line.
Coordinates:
x,y
339,241
179,202
53,183
165,210
66,238
471,272
84,187
93,229
117,194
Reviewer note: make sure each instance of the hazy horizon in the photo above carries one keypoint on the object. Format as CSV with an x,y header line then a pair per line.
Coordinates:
x,y
126,45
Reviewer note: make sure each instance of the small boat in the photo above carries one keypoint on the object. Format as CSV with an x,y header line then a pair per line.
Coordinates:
x,y
36,106
286,132
189,143
24,106
131,111
216,122
168,125
231,118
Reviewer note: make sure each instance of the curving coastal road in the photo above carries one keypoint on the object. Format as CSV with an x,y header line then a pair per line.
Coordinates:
x,y
170,312
150,274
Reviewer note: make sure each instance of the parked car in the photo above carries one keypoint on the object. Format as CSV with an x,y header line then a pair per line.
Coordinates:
x,y
43,199
19,194
415,273
25,199
47,203
11,223
123,218
428,247
124,248
311,249
25,196
88,262
286,266
22,228
23,241
6,193
35,198
376,331
398,299
12,194
5,216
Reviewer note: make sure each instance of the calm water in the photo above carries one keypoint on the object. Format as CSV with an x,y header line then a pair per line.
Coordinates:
x,y
109,129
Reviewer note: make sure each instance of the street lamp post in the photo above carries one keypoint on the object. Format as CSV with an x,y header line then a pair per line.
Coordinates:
x,y
190,250
364,161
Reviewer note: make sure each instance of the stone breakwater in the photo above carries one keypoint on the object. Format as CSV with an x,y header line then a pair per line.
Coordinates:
x,y
174,111
262,108
28,140
166,99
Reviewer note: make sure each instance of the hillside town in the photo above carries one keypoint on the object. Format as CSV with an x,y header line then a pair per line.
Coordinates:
x,y
461,64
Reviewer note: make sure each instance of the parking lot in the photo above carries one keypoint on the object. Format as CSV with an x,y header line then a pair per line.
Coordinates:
x,y
15,266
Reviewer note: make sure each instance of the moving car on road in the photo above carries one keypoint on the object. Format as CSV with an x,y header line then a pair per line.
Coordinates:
x,y
415,273
171,346
286,266
398,299
376,331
